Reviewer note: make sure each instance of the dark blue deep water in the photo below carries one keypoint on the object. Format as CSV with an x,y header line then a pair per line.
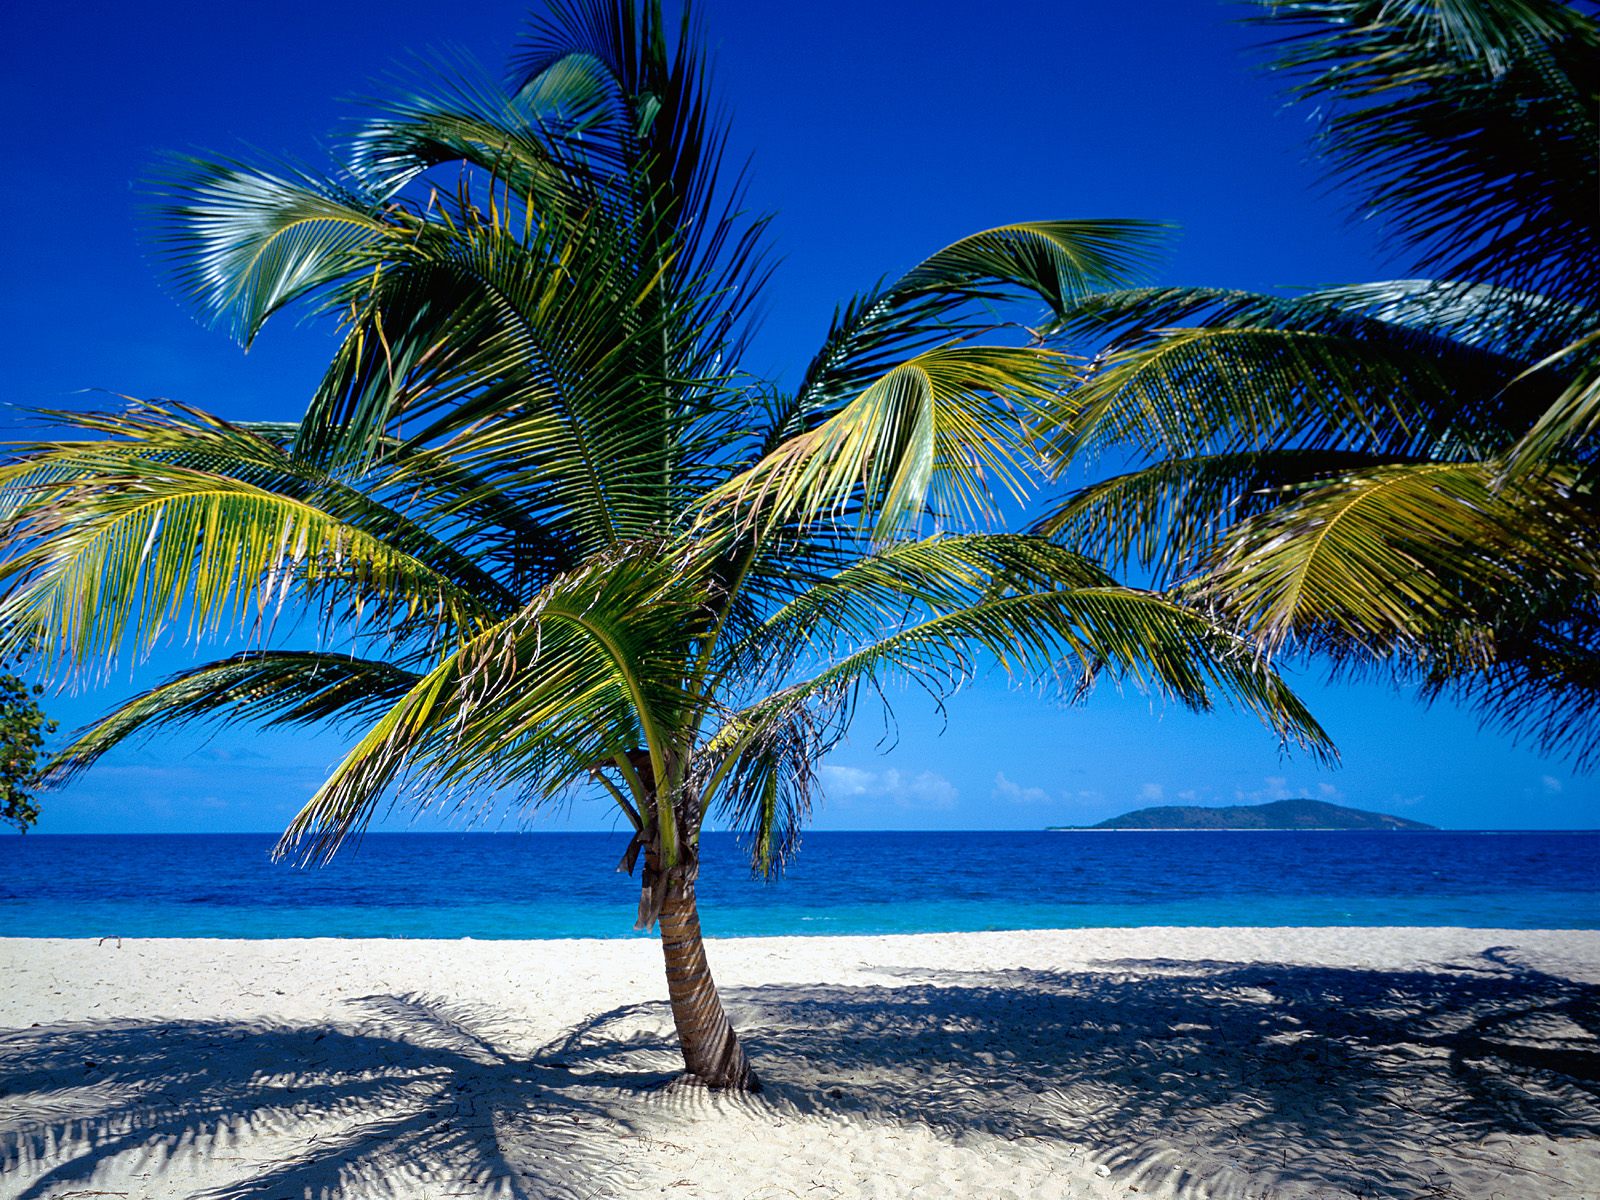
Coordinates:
x,y
545,885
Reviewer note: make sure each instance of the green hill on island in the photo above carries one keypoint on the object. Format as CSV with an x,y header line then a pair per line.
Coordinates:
x,y
1280,814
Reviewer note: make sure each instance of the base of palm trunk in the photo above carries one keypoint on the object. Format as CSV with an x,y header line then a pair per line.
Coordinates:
x,y
690,1082
711,1049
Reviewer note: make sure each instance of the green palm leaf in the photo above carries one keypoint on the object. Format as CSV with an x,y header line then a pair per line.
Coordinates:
x,y
272,687
121,544
1071,635
940,430
954,294
1381,558
586,675
1565,429
1214,390
244,243
761,768
1469,126
1168,516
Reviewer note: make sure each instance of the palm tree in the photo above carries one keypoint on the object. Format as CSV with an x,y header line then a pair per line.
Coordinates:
x,y
555,541
1398,475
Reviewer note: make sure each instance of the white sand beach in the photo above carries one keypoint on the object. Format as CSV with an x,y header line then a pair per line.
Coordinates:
x,y
1156,1063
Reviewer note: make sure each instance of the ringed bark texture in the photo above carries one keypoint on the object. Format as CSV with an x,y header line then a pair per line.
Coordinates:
x,y
711,1050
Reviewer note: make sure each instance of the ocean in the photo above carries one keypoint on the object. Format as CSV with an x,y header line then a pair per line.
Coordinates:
x,y
558,885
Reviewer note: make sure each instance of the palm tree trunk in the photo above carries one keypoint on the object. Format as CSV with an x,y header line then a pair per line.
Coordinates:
x,y
711,1050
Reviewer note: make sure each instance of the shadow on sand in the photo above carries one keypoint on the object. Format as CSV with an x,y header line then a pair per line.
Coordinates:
x,y
1214,1079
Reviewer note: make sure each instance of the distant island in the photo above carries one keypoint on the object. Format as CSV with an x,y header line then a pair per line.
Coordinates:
x,y
1280,814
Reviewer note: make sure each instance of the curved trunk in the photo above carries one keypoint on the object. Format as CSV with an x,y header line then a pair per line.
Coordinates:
x,y
711,1050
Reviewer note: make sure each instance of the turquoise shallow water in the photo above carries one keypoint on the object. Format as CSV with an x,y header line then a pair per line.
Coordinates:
x,y
563,885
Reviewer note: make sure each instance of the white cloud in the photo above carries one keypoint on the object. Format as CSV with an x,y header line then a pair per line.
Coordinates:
x,y
926,789
1273,787
1328,792
846,781
1551,785
1005,789
1152,791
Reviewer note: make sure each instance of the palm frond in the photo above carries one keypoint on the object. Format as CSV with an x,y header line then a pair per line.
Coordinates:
x,y
642,99
243,243
1073,635
117,541
941,430
542,348
266,687
147,437
761,772
588,673
1566,428
1379,559
956,293
1059,262
453,115
1168,516
1216,390
933,611
1468,126
1513,325
1542,686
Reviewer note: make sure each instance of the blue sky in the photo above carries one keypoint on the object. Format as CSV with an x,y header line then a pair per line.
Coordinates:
x,y
877,132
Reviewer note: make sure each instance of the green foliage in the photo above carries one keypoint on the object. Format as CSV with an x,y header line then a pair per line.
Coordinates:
x,y
554,538
1467,126
1398,475
24,729
569,545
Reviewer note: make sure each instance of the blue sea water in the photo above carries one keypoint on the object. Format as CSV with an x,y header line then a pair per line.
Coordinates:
x,y
547,885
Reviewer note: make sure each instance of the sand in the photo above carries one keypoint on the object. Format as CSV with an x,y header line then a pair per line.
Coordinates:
x,y
1243,1064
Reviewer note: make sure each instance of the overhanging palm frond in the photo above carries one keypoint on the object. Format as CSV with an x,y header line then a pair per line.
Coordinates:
x,y
933,612
760,771
1073,635
1487,329
1564,430
1213,390
1168,516
1380,559
1543,685
1512,325
874,594
266,687
1468,126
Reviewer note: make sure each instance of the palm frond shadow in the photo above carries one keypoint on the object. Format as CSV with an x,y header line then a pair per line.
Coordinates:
x,y
1186,1079
1205,1079
410,1094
